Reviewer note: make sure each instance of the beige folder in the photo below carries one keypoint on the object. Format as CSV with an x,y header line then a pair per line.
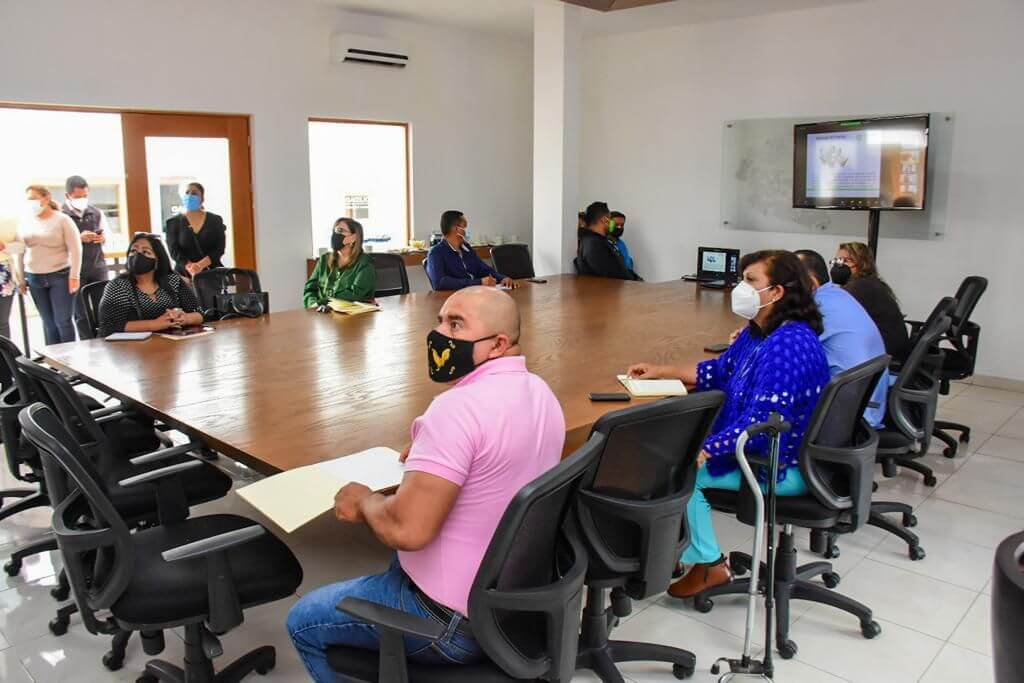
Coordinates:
x,y
652,388
293,498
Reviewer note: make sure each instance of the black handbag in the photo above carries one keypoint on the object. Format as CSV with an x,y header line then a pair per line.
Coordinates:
x,y
248,305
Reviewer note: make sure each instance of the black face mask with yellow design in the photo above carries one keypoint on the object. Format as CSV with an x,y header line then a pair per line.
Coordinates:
x,y
449,359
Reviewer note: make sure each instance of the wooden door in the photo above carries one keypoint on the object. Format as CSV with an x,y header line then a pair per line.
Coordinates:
x,y
147,139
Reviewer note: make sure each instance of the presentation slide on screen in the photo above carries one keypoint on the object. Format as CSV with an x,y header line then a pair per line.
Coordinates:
x,y
714,261
843,165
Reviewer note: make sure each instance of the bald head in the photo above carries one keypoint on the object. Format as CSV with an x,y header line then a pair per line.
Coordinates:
x,y
482,313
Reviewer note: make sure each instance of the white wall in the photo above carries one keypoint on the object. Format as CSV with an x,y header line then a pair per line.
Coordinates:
x,y
468,97
654,108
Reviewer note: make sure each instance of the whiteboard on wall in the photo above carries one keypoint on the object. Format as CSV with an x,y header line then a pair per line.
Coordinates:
x,y
757,183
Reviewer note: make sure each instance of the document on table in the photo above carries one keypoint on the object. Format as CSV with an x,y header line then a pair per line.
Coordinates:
x,y
351,307
129,336
649,388
293,498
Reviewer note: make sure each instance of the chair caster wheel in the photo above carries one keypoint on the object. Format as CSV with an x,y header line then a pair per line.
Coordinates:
x,y
60,593
682,672
830,579
930,480
703,605
949,452
831,552
146,678
12,567
870,629
965,437
112,662
59,627
787,649
916,553
909,521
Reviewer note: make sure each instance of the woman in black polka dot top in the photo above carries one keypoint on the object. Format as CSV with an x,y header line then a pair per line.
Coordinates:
x,y
150,296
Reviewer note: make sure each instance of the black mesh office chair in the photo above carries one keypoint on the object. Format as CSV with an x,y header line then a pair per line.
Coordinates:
x,y
524,606
960,352
113,441
87,309
212,285
632,514
913,400
512,260
199,572
837,463
392,278
22,458
1007,608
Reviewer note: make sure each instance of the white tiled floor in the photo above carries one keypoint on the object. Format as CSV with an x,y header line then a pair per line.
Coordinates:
x,y
934,613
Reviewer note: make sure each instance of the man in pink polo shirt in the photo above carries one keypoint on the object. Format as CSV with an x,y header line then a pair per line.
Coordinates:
x,y
494,431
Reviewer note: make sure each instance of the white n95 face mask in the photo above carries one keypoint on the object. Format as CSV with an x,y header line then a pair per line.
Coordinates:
x,y
79,203
746,301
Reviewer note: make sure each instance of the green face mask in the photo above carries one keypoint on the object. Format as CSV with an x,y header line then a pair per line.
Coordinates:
x,y
612,227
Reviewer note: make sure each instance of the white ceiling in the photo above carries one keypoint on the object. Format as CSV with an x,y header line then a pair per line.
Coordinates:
x,y
515,17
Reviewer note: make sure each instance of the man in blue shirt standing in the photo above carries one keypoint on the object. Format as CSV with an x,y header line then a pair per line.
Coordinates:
x,y
453,264
850,336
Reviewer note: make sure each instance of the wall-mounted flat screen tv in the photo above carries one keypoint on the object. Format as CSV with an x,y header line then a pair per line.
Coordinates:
x,y
877,163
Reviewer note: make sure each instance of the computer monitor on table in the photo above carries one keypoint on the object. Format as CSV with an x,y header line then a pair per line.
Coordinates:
x,y
716,267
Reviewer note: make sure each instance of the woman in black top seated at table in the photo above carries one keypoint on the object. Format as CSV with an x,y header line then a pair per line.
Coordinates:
x,y
854,270
195,237
149,297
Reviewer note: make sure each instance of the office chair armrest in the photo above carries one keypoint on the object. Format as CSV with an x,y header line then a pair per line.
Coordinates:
x,y
117,410
161,473
225,607
391,626
213,544
386,618
165,453
914,325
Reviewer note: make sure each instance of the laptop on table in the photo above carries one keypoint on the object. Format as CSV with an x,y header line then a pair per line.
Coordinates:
x,y
716,267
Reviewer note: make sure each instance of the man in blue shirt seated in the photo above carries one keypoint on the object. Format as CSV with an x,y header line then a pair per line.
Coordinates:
x,y
850,336
453,264
616,227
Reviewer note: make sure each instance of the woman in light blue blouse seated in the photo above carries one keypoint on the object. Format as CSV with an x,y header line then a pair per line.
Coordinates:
x,y
776,364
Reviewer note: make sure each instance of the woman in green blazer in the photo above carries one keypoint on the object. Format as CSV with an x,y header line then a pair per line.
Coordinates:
x,y
345,272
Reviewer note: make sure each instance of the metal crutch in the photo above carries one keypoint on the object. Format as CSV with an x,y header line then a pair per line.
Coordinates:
x,y
746,666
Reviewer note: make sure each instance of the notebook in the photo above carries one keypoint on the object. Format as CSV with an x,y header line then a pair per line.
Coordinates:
x,y
648,388
129,336
293,498
351,307
188,332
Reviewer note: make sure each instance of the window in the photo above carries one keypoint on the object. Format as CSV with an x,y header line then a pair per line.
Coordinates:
x,y
43,147
359,169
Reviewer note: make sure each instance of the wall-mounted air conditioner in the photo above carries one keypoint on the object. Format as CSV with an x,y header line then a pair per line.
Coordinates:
x,y
349,48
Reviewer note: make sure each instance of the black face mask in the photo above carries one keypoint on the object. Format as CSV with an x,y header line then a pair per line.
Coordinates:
x,y
449,359
840,273
140,264
337,241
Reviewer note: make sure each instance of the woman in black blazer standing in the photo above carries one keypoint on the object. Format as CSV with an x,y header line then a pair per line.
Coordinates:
x,y
195,237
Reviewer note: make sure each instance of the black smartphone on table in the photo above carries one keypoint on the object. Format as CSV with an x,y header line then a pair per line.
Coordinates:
x,y
609,397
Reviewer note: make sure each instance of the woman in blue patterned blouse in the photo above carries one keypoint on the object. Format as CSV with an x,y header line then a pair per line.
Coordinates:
x,y
776,364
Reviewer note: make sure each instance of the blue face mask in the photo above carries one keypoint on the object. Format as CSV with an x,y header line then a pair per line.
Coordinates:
x,y
192,202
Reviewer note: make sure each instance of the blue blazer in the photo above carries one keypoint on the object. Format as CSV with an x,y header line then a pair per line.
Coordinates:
x,y
449,269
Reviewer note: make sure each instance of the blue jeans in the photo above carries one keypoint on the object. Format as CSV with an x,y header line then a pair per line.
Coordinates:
x,y
314,624
703,543
54,303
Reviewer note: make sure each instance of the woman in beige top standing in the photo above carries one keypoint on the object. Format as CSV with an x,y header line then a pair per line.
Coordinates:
x,y
51,263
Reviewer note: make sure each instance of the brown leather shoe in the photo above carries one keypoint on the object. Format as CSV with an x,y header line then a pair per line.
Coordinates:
x,y
700,578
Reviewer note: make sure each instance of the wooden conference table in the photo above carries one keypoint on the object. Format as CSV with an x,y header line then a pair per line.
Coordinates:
x,y
298,387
